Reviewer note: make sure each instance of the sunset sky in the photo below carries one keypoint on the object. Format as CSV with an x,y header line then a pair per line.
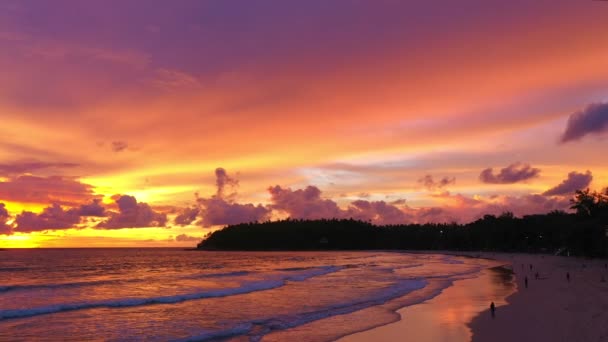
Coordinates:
x,y
151,123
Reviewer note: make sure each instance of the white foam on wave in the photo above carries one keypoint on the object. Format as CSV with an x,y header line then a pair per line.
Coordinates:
x,y
394,291
266,325
396,294
272,282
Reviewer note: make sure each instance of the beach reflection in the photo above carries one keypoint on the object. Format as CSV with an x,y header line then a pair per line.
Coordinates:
x,y
445,317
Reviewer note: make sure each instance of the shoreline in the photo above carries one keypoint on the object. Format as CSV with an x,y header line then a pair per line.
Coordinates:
x,y
445,317
377,317
551,308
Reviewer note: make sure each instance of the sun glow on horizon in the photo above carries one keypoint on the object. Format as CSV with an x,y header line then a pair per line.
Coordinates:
x,y
19,241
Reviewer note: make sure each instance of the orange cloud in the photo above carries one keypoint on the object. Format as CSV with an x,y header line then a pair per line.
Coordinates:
x,y
45,190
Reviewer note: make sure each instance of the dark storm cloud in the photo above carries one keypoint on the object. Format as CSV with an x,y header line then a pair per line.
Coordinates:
x,y
591,120
513,173
575,181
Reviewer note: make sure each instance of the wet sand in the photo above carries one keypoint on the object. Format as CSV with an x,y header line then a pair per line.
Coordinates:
x,y
551,308
445,317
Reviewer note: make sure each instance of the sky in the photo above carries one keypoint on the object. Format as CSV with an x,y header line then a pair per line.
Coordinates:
x,y
129,123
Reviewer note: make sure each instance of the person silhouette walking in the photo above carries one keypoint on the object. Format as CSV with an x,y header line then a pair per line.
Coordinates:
x,y
526,281
493,309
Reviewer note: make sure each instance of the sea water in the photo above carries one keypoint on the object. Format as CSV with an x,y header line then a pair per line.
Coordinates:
x,y
178,295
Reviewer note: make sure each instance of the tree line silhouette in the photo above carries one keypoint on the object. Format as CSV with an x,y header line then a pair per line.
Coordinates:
x,y
583,232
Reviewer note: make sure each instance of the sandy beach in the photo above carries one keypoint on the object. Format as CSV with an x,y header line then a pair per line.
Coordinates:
x,y
550,308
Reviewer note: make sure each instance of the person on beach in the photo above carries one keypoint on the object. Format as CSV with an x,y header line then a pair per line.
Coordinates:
x,y
530,267
536,275
526,281
568,276
492,309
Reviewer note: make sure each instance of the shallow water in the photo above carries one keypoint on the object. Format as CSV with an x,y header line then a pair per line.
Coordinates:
x,y
447,316
171,294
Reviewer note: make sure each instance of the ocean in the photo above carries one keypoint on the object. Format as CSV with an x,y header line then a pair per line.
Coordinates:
x,y
179,295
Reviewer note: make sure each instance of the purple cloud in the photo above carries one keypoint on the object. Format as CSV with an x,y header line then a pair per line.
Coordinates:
x,y
303,203
221,208
133,215
400,201
575,181
5,229
513,173
92,209
465,209
217,211
223,180
186,216
53,217
430,184
435,215
526,205
379,212
308,204
119,146
591,120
